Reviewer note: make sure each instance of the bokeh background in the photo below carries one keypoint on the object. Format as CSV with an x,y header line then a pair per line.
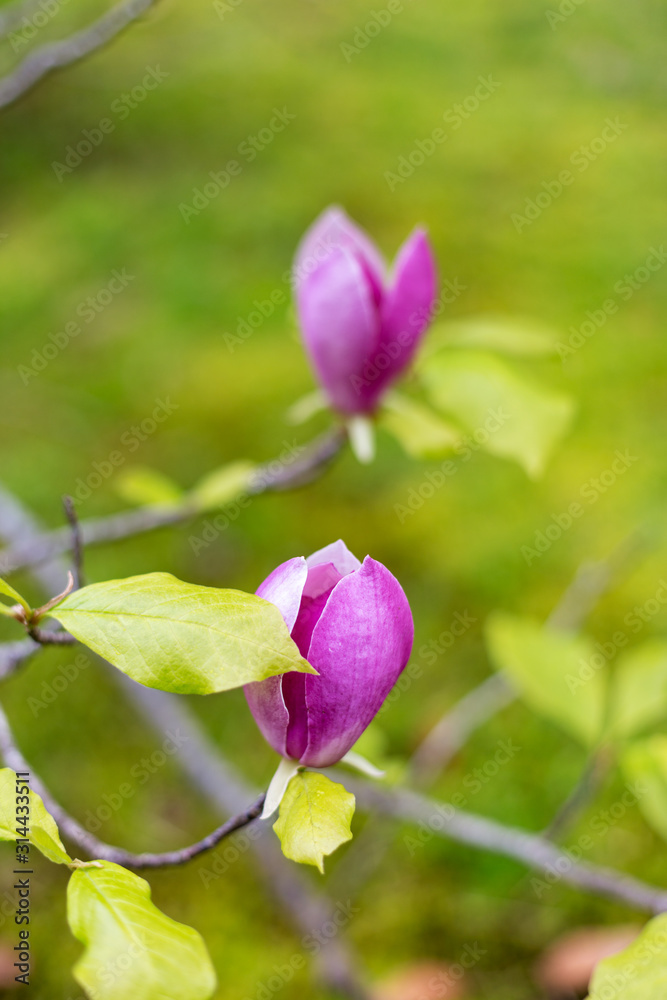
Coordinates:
x,y
164,337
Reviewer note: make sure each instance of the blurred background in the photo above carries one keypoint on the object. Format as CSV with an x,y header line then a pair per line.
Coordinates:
x,y
358,100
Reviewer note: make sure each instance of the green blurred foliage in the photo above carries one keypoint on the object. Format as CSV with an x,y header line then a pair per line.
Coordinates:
x,y
162,338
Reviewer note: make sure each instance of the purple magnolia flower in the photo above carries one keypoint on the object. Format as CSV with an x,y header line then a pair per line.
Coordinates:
x,y
353,623
360,328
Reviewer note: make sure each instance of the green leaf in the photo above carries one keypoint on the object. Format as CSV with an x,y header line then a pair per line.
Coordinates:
x,y
639,689
509,416
8,591
315,817
421,432
637,973
141,485
179,637
222,486
133,950
551,671
42,830
645,763
518,336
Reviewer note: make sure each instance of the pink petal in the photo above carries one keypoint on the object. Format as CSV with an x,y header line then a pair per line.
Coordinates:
x,y
265,700
334,229
406,310
284,588
359,646
336,553
340,325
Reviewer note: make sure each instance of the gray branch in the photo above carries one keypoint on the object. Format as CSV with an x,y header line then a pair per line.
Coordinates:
x,y
531,850
36,548
56,55
204,765
98,849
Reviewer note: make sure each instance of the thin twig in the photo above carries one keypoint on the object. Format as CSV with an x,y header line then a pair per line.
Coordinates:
x,y
42,547
48,638
595,769
98,849
77,541
534,851
56,55
217,780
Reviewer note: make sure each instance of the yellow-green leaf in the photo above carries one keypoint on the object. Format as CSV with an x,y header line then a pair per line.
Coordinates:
x,y
139,484
507,335
180,637
133,950
637,973
551,671
421,432
511,416
315,817
8,591
42,830
222,485
645,764
639,689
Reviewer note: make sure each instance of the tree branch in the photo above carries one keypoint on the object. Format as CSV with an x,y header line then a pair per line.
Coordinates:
x,y
98,849
14,654
40,547
534,851
530,849
56,55
210,773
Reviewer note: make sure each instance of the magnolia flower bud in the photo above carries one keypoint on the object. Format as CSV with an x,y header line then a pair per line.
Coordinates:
x,y
361,328
353,624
